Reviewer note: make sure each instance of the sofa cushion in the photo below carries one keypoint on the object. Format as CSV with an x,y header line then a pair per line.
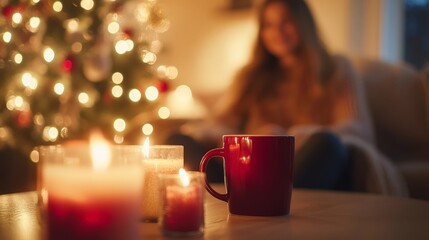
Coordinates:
x,y
398,104
416,176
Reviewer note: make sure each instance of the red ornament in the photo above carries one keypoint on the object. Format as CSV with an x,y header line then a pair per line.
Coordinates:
x,y
162,86
23,119
107,97
7,11
128,33
68,64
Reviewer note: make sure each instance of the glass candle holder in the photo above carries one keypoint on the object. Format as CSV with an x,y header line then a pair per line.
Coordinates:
x,y
90,194
182,204
158,159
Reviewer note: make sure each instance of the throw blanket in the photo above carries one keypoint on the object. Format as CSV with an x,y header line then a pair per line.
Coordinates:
x,y
374,172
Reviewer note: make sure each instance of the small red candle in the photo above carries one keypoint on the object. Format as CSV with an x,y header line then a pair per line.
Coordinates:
x,y
182,203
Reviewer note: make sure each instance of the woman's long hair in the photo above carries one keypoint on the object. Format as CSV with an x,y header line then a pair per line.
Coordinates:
x,y
258,78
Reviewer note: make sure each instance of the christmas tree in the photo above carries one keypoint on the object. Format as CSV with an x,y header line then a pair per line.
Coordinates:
x,y
69,66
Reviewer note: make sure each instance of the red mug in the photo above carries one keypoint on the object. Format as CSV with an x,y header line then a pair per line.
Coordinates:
x,y
258,173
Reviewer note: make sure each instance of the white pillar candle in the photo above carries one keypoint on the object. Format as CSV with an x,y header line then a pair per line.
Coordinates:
x,y
158,159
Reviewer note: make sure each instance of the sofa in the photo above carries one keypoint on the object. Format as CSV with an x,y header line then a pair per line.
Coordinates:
x,y
398,99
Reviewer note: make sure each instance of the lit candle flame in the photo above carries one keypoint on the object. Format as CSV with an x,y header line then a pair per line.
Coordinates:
x,y
100,152
145,148
184,177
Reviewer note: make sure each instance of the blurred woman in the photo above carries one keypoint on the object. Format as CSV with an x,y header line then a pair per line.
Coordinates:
x,y
292,85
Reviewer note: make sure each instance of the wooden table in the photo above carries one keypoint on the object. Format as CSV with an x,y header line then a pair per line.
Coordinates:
x,y
314,215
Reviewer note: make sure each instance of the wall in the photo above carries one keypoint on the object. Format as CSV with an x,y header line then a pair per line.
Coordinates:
x,y
208,42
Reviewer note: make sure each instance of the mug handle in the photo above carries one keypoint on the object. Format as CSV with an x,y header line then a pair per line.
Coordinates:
x,y
216,152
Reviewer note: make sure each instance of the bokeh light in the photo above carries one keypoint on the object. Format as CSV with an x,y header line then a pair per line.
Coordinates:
x,y
59,88
152,93
48,54
119,125
57,6
147,129
117,91
164,112
117,78
135,95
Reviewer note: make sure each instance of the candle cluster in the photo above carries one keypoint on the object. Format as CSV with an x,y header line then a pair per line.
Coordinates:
x,y
102,191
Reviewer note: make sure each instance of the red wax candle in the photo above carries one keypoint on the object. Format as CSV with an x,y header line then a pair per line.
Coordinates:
x,y
107,220
183,205
88,197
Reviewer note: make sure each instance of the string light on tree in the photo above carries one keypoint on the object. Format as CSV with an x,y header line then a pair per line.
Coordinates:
x,y
164,112
68,67
117,91
147,129
151,93
7,37
18,58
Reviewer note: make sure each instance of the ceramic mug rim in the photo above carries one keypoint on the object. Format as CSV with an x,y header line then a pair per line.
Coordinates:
x,y
257,136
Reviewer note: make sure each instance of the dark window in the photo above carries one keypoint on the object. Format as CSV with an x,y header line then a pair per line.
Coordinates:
x,y
416,49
